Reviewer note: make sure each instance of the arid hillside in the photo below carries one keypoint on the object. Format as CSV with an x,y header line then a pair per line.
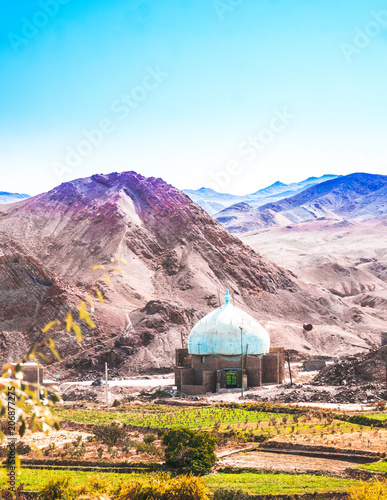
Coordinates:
x,y
180,261
347,259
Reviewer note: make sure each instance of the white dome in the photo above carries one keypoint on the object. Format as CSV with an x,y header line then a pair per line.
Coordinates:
x,y
220,333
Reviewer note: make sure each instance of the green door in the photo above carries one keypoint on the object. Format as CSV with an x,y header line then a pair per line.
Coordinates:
x,y
231,379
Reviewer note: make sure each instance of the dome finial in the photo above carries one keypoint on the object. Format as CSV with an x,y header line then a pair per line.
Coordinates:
x,y
227,297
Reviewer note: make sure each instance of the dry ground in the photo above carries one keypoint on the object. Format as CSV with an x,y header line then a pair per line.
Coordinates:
x,y
284,463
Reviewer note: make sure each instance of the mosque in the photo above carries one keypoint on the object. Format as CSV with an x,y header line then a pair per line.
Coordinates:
x,y
228,348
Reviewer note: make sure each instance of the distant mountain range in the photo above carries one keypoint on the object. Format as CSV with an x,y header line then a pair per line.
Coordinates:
x,y
214,202
12,197
357,196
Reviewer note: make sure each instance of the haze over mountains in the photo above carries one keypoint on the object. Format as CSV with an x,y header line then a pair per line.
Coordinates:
x,y
12,197
180,261
214,202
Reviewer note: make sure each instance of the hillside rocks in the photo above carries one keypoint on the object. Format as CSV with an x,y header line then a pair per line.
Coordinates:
x,y
355,370
364,394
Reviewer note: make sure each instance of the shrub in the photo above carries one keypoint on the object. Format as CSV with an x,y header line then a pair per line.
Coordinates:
x,y
189,450
56,489
109,434
368,491
163,487
22,448
225,494
62,489
150,449
149,438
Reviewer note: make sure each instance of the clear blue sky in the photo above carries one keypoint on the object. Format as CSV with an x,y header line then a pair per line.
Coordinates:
x,y
183,88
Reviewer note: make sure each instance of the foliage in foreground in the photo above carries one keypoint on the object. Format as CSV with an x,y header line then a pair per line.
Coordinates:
x,y
253,484
189,450
369,491
227,494
20,402
155,487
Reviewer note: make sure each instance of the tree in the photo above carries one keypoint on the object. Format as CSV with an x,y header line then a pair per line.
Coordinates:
x,y
189,450
19,402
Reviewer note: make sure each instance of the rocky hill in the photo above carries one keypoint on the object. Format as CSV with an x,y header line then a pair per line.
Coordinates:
x,y
180,261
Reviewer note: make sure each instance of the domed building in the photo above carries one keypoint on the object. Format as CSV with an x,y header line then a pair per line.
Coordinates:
x,y
225,349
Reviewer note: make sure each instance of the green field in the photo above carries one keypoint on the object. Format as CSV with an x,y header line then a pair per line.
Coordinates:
x,y
169,416
34,479
275,484
270,484
377,416
207,418
377,467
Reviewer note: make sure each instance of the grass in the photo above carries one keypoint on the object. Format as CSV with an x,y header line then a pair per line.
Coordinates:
x,y
377,467
275,484
34,479
269,484
377,416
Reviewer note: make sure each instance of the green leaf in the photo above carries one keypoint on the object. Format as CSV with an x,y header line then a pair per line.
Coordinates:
x,y
22,428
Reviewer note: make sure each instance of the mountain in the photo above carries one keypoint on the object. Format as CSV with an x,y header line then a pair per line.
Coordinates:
x,y
180,261
12,197
214,202
278,190
211,200
357,196
332,236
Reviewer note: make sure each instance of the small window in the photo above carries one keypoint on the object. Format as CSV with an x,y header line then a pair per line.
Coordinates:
x,y
203,359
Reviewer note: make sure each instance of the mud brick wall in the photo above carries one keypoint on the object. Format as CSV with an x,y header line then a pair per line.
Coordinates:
x,y
180,354
270,368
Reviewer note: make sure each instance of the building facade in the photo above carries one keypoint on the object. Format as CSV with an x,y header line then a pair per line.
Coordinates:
x,y
227,348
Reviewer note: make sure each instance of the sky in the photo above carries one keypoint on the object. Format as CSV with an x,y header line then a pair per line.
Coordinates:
x,y
228,94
